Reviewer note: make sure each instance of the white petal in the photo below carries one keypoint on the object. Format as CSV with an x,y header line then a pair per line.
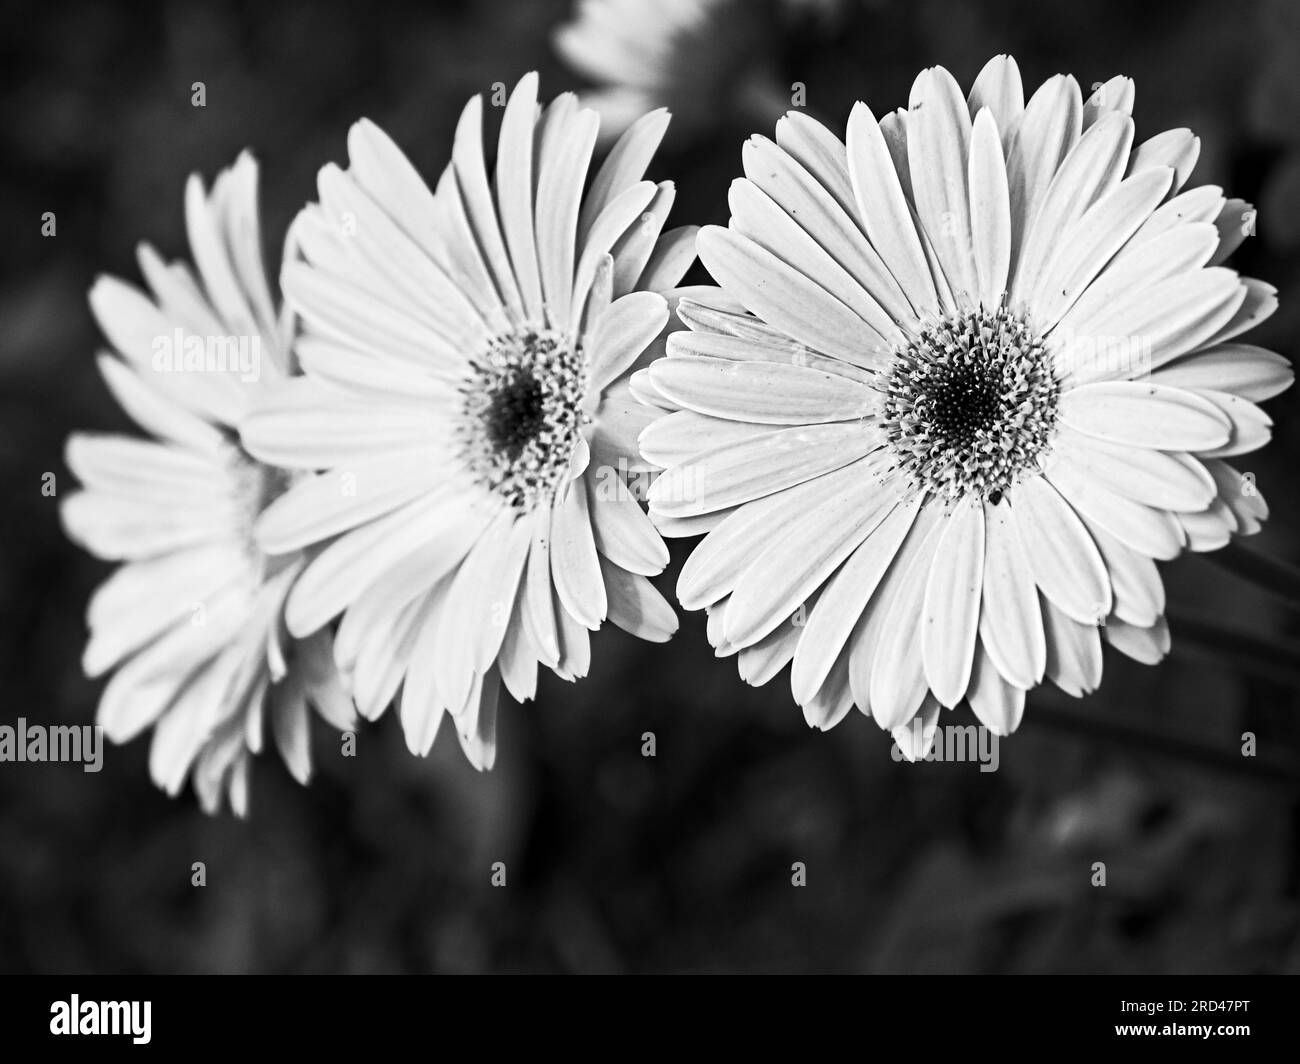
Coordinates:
x,y
997,704
761,661
1115,95
539,602
636,606
480,207
614,222
832,702
1148,645
1166,480
1242,369
154,411
898,682
998,87
478,607
713,567
1047,131
1235,222
685,435
990,210
772,393
1151,325
632,251
915,739
1259,304
329,503
844,598
354,563
1092,241
517,661
673,255
566,146
685,343
1175,148
757,217
305,427
952,603
514,187
753,468
1139,593
1092,168
867,657
624,166
1142,265
1061,554
804,555
883,208
938,145
1153,532
785,298
1144,415
575,566
622,334
826,220
1073,652
1251,427
623,532
1011,624
1210,529
819,151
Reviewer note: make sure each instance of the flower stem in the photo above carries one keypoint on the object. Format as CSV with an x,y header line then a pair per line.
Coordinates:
x,y
1164,742
1279,578
1257,655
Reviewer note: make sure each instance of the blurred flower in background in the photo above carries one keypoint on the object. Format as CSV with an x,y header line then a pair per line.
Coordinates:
x,y
192,621
1275,113
702,59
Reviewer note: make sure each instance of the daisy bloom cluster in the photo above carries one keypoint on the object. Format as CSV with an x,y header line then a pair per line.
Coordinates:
x,y
464,429
191,624
967,377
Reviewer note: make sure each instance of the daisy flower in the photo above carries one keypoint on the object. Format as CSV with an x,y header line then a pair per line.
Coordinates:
x,y
966,379
692,56
192,621
466,413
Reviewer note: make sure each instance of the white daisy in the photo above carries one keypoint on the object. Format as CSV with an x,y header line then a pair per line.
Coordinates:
x,y
965,380
193,620
466,400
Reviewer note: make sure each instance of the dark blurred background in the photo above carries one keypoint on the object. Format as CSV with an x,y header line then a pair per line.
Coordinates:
x,y
618,862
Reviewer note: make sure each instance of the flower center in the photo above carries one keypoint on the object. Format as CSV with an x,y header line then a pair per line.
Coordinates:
x,y
970,405
523,413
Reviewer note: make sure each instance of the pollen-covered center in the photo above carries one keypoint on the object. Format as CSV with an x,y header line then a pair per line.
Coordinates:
x,y
514,414
970,404
523,413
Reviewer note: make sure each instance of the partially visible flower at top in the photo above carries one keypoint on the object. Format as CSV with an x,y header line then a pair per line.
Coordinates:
x,y
967,377
699,58
1274,111
466,354
193,619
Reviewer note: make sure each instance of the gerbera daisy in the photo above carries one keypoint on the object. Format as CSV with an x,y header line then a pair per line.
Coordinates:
x,y
965,380
466,405
193,620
